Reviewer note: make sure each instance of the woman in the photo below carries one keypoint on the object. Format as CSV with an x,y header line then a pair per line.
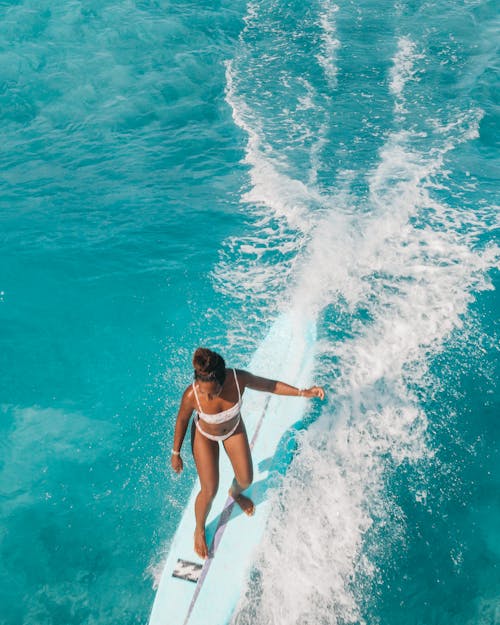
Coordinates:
x,y
216,396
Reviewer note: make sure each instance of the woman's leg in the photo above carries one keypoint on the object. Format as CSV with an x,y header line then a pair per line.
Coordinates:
x,y
238,450
206,457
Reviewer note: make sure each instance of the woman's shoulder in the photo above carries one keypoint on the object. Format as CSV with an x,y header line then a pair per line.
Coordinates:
x,y
241,374
234,370
188,395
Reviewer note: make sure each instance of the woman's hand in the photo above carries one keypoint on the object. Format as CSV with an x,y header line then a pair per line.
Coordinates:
x,y
314,391
176,462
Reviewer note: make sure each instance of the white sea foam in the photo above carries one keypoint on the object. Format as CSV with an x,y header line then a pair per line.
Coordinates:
x,y
415,281
330,44
403,71
280,207
269,186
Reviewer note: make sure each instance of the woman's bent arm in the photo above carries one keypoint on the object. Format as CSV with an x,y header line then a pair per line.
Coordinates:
x,y
183,416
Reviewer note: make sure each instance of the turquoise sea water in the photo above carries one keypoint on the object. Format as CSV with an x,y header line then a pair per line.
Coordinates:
x,y
176,174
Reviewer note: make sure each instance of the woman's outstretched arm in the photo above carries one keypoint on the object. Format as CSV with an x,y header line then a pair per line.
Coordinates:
x,y
248,380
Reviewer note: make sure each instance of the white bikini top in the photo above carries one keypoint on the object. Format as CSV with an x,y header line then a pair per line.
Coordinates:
x,y
225,415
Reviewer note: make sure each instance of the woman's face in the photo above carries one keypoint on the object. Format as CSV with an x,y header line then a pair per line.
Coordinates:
x,y
209,389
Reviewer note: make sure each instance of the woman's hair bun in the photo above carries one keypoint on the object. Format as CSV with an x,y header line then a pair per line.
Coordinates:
x,y
209,366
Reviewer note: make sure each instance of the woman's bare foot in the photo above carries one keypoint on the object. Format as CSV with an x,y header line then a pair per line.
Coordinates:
x,y
245,503
200,544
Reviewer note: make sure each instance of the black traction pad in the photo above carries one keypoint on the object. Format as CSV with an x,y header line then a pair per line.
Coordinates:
x,y
190,571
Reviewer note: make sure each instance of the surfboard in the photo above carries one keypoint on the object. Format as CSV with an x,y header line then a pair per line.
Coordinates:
x,y
192,591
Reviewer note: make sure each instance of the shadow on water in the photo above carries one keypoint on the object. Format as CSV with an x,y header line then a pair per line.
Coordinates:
x,y
275,466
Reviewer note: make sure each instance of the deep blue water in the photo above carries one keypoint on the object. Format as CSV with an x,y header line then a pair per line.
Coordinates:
x,y
176,174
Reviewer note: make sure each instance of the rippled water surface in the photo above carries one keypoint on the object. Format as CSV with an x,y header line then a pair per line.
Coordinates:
x,y
176,174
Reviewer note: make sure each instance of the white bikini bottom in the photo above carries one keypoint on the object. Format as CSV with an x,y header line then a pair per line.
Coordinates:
x,y
212,437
